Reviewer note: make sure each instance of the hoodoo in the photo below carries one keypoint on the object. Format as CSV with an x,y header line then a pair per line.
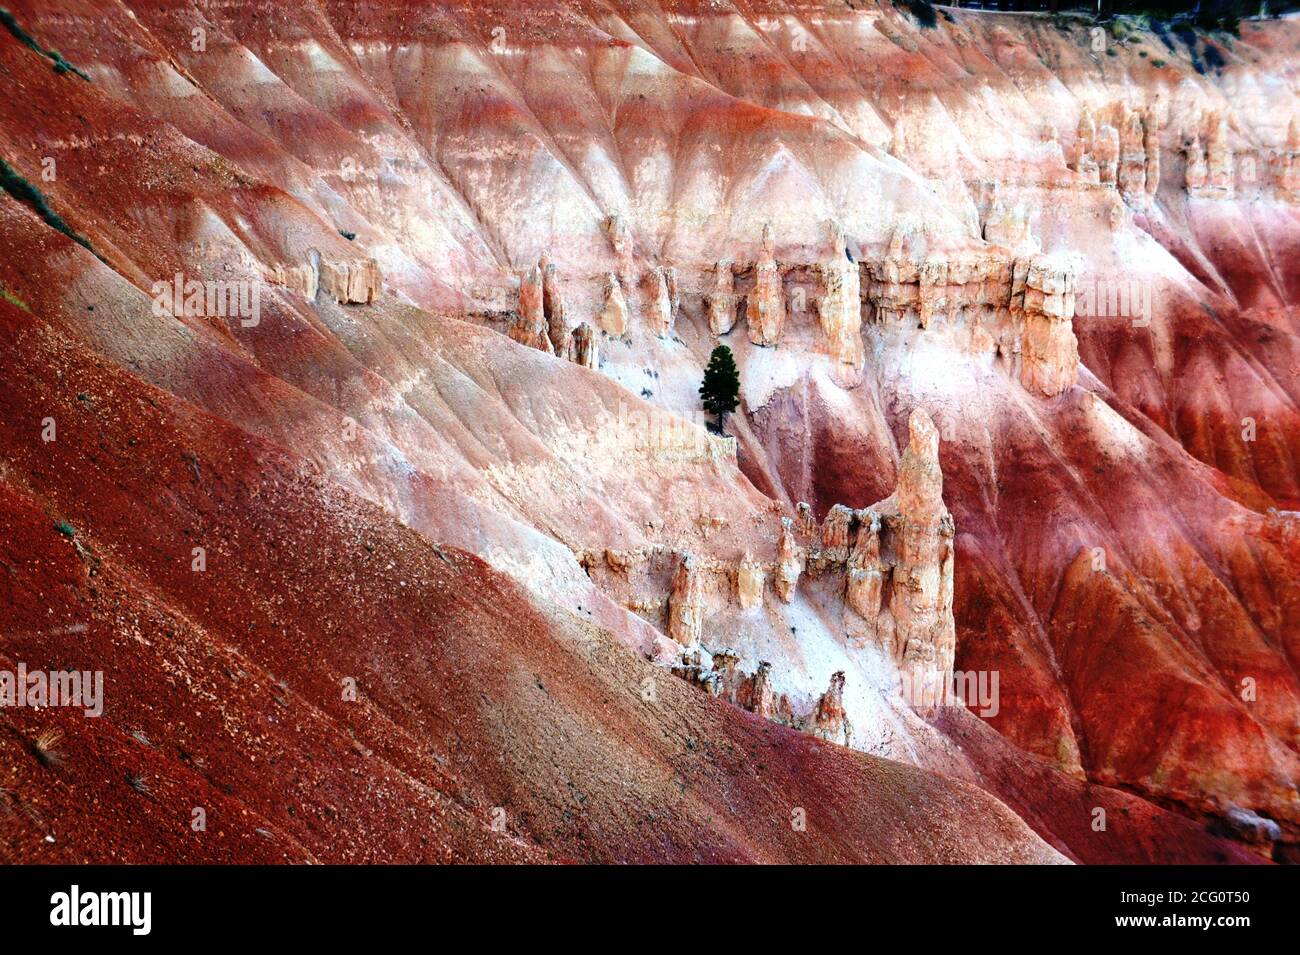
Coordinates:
x,y
583,348
557,325
765,305
529,326
613,315
790,562
1107,153
921,580
721,300
840,309
749,583
686,604
661,315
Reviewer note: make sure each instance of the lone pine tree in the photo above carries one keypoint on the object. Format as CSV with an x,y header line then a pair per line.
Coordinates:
x,y
720,390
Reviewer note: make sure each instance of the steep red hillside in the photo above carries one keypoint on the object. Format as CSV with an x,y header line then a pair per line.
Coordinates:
x,y
223,688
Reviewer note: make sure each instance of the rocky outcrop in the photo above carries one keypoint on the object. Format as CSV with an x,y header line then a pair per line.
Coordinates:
x,y
1011,228
865,571
528,326
661,314
686,604
840,310
805,521
1219,160
557,326
790,562
1196,172
1085,163
353,282
754,692
1250,827
765,304
722,676
613,314
1151,149
348,282
921,582
835,535
1042,306
620,240
1210,171
303,279
1132,173
829,721
625,561
1027,300
720,302
749,583
915,281
542,321
898,570
757,695
693,670
582,347
728,676
1126,156
1106,150
674,290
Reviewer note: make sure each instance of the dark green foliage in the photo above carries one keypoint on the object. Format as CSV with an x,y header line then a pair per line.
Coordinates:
x,y
22,190
1203,15
720,390
61,65
923,11
350,236
13,299
1206,15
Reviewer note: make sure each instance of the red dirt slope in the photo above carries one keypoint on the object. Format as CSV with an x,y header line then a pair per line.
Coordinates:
x,y
223,687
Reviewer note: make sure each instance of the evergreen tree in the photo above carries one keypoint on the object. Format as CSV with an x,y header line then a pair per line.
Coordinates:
x,y
720,390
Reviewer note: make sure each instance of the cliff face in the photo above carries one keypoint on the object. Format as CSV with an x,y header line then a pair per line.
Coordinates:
x,y
1015,319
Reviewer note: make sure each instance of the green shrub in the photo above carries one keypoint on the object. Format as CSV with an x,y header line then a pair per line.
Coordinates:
x,y
61,65
923,11
13,299
13,183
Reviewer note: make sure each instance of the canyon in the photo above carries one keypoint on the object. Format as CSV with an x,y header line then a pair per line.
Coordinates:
x,y
435,557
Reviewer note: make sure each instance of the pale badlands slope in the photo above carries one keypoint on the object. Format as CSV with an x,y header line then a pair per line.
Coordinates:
x,y
459,143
